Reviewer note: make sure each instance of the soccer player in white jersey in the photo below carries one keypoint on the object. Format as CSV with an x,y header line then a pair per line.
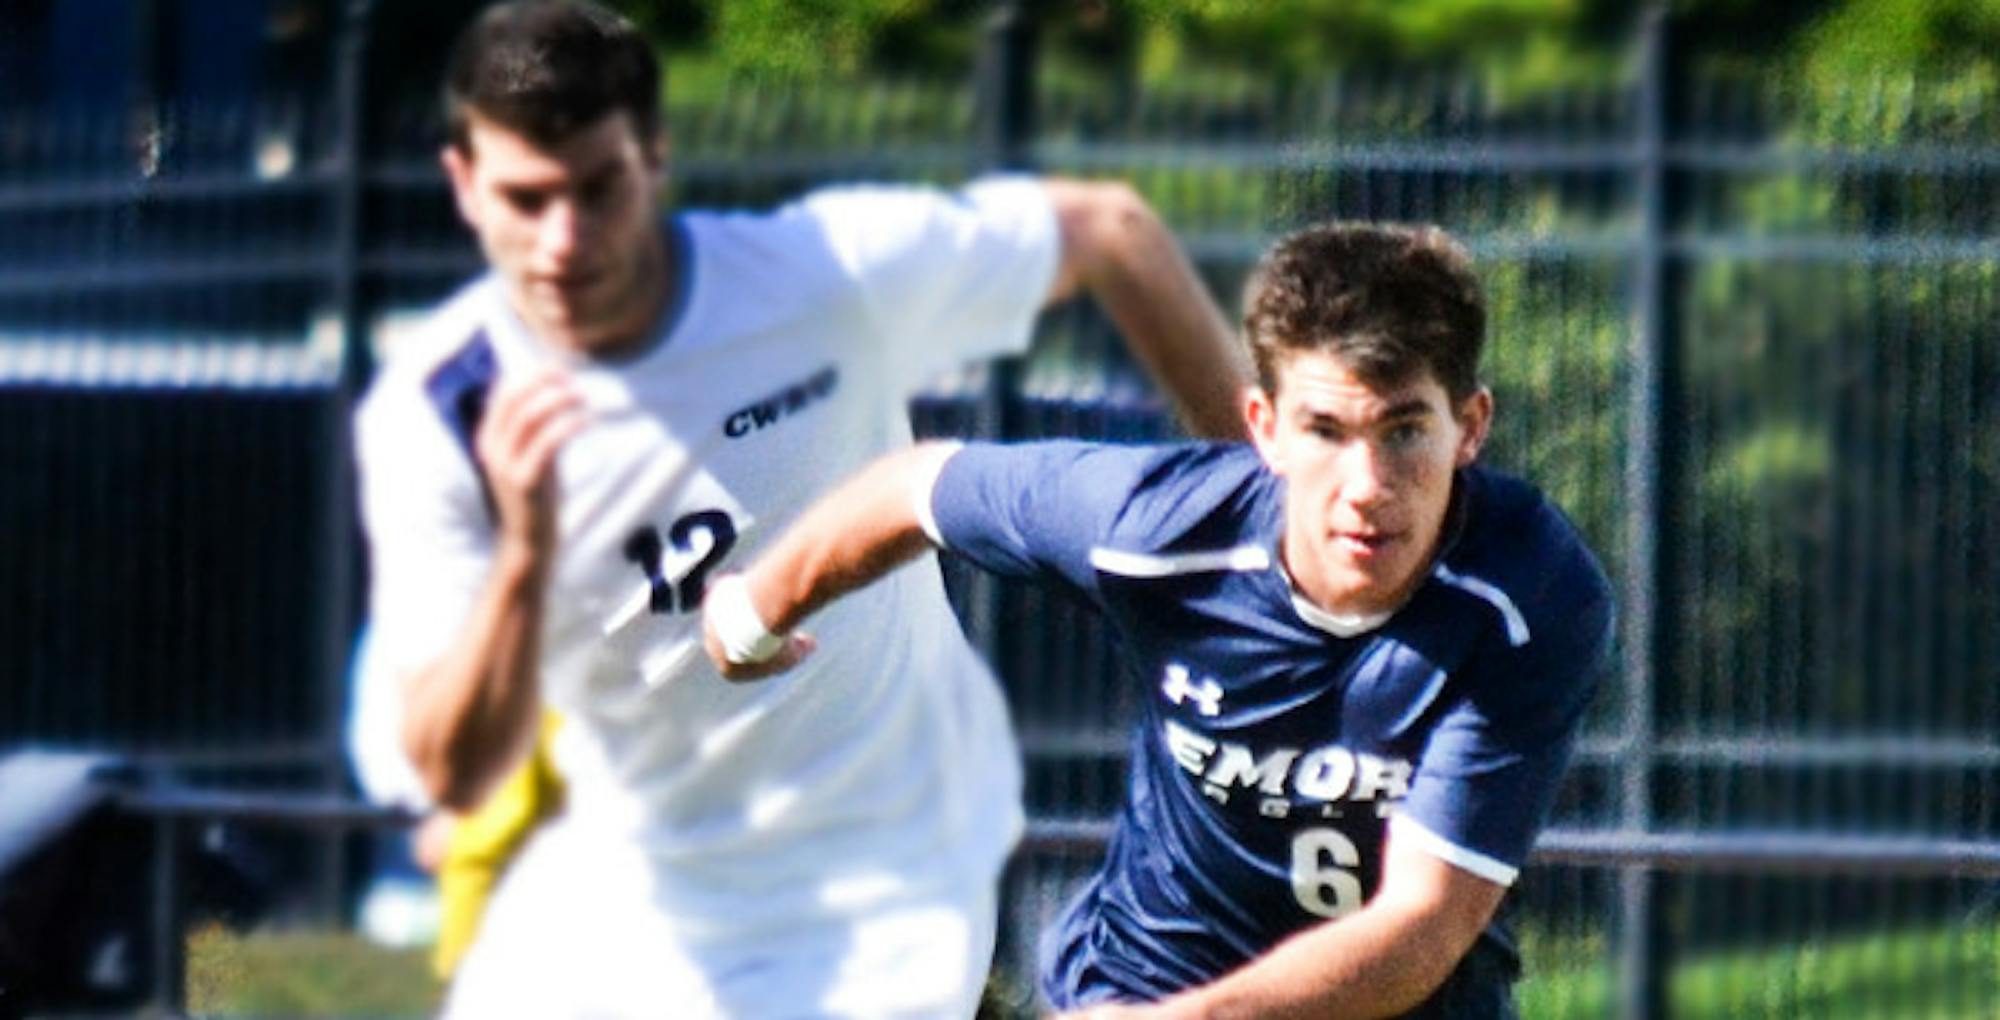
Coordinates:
x,y
630,403
1365,656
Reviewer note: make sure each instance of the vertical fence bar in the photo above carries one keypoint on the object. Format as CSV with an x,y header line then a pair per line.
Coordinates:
x,y
1641,961
1004,98
168,920
1004,95
336,546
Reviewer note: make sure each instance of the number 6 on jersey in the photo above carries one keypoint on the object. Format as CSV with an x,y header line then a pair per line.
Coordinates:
x,y
1322,881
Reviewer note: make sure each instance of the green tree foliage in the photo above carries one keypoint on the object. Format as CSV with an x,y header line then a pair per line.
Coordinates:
x,y
794,40
1930,37
1534,42
1526,44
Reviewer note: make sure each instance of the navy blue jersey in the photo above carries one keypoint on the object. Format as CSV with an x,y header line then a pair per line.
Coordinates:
x,y
1271,752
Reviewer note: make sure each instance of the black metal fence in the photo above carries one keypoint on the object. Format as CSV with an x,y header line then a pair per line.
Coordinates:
x,y
1743,331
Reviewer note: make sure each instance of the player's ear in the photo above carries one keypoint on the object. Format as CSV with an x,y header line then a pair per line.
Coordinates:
x,y
1260,412
658,152
1475,418
458,170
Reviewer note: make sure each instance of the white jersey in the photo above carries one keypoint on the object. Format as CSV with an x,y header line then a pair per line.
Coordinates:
x,y
881,769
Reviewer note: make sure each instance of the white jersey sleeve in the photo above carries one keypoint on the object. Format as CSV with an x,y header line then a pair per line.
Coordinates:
x,y
429,531
947,277
374,734
430,541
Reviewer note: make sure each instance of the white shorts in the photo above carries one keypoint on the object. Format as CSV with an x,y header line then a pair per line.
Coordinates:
x,y
551,947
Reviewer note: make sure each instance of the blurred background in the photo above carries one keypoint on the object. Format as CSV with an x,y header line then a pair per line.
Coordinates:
x,y
1742,261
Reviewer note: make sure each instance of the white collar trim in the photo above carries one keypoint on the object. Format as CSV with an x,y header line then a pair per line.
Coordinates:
x,y
1340,625
1345,625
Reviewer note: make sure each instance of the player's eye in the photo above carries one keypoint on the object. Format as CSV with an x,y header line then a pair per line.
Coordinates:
x,y
597,191
526,201
1405,433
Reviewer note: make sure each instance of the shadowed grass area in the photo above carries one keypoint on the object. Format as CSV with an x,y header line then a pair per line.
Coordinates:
x,y
1950,974
1939,974
306,973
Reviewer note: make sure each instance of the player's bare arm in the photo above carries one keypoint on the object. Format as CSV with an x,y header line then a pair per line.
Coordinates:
x,y
1116,248
1380,961
861,531
470,716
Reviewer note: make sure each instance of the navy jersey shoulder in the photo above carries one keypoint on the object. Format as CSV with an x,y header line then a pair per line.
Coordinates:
x,y
1515,538
1195,496
1519,552
1054,509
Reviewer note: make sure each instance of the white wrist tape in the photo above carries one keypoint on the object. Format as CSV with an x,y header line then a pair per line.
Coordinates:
x,y
923,486
737,625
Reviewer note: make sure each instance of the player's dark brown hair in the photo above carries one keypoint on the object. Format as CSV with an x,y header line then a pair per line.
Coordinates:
x,y
547,68
1387,300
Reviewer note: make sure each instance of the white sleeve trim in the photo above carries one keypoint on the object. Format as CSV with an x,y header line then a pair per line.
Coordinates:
x,y
1402,826
1149,565
1517,625
923,488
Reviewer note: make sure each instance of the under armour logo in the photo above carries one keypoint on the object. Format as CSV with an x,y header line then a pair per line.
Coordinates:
x,y
1179,686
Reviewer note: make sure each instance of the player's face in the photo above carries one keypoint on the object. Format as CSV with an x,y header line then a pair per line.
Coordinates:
x,y
1368,476
571,229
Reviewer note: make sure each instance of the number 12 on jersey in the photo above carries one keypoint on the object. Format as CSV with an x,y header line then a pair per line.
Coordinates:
x,y
707,535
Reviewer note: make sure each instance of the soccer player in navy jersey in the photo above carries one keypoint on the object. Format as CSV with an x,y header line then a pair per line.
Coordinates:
x,y
1367,655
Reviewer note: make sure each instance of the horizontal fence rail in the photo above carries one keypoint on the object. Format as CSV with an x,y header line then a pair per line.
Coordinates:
x,y
1783,853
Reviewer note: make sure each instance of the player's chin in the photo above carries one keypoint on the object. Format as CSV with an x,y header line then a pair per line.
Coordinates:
x,y
574,302
1369,579
585,327
574,312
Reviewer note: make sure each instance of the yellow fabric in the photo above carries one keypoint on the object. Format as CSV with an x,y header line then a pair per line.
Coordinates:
x,y
482,844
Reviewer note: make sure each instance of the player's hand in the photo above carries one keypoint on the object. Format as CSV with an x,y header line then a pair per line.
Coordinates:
x,y
734,635
524,428
797,646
